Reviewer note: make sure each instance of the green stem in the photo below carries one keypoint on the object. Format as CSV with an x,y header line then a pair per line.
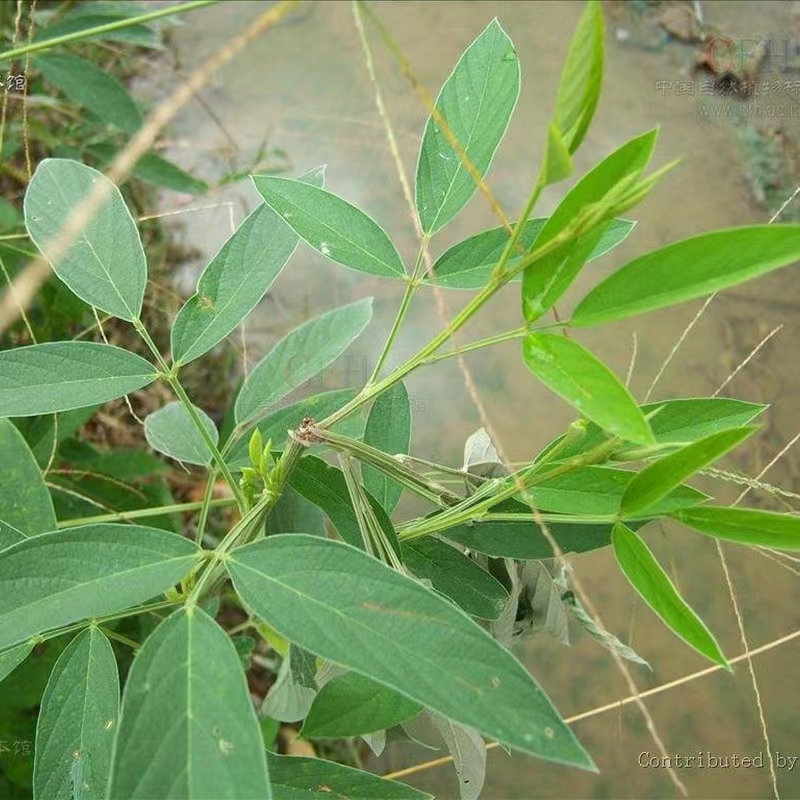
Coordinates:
x,y
249,524
176,386
518,333
143,513
120,638
585,221
518,228
129,612
386,464
470,510
411,286
98,30
206,506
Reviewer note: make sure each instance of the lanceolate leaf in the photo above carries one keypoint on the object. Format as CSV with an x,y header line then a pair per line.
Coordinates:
x,y
390,628
332,226
468,264
579,89
653,584
325,487
476,103
557,161
25,502
234,282
689,269
677,421
455,576
545,281
597,491
352,705
573,373
171,431
59,376
187,674
745,526
105,265
58,578
658,479
523,540
301,355
301,778
91,87
389,429
276,425
77,721
12,658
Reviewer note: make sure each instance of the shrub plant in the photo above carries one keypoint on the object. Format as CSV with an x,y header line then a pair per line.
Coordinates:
x,y
390,620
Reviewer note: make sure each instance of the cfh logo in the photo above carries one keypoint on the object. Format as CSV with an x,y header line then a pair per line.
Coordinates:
x,y
724,54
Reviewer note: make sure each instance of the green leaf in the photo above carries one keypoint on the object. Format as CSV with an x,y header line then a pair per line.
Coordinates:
x,y
153,169
290,697
301,355
646,575
589,386
188,673
689,269
332,226
352,705
744,526
557,161
388,627
659,478
9,535
623,165
388,428
276,425
294,513
579,89
476,103
677,421
234,282
59,376
325,487
469,264
301,778
12,658
171,431
105,265
77,721
523,540
92,87
455,576
594,491
545,281
25,503
58,578
86,16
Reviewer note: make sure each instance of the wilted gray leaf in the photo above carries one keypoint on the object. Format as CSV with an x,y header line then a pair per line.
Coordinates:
x,y
481,460
606,639
376,741
542,599
468,750
503,627
290,698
